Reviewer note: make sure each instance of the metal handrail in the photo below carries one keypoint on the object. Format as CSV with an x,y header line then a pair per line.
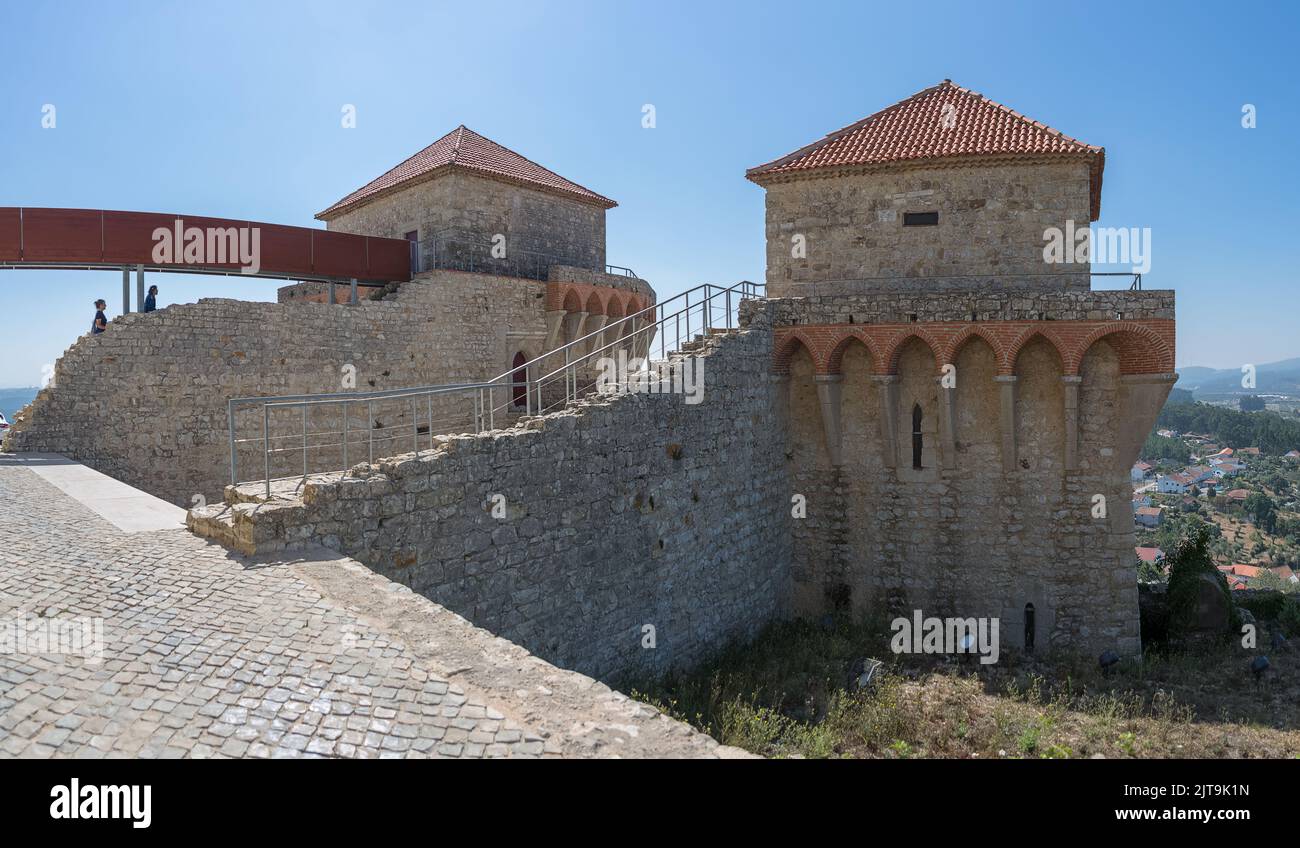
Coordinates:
x,y
639,330
569,369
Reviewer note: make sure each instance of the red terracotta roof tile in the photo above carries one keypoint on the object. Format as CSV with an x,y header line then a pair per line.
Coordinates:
x,y
466,149
944,121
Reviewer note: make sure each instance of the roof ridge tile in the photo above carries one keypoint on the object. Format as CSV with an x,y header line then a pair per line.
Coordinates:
x,y
945,121
462,148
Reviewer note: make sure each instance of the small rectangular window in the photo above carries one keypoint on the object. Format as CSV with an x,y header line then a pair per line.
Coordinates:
x,y
920,219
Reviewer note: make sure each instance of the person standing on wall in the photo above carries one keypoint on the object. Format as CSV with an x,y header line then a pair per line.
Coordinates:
x,y
151,302
100,324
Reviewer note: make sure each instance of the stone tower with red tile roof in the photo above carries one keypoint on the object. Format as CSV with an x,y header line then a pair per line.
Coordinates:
x,y
962,413
465,195
508,242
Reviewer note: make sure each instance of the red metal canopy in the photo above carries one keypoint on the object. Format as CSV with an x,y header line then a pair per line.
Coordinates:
x,y
96,238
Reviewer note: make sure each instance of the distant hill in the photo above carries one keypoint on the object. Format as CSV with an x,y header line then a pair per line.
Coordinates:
x,y
1271,433
1281,377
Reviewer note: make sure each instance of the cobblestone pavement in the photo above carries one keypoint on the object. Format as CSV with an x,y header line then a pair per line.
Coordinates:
x,y
204,654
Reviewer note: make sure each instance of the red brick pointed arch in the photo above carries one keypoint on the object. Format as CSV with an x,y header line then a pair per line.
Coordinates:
x,y
901,338
571,303
858,335
964,336
1007,365
1144,346
1141,350
785,348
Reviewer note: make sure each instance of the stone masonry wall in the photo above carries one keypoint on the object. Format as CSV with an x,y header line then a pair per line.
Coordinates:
x,y
541,229
815,307
621,512
600,279
317,292
989,235
964,535
960,536
145,402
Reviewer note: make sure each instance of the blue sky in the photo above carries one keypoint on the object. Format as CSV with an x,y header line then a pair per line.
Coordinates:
x,y
233,110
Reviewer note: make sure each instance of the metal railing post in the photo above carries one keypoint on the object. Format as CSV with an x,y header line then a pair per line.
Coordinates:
x,y
266,447
345,436
304,443
415,427
370,427
230,427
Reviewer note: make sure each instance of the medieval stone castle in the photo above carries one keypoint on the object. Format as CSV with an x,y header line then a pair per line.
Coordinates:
x,y
920,414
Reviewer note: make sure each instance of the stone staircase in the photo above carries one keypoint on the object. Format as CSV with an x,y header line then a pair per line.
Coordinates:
x,y
251,522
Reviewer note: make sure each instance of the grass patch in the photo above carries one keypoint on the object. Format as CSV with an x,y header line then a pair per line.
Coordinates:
x,y
792,693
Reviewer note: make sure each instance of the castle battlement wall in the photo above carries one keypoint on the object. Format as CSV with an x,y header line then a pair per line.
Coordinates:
x,y
145,402
621,512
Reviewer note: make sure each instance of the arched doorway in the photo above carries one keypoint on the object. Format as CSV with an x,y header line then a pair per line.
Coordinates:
x,y
519,381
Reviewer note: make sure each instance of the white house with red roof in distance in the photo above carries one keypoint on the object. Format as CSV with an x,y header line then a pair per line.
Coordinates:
x,y
1148,516
1174,484
1141,470
1240,574
1292,455
1226,467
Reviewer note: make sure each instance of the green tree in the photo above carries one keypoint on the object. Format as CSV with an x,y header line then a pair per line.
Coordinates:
x,y
1270,432
1189,565
1262,510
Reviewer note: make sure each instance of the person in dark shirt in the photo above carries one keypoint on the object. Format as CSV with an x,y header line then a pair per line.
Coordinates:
x,y
100,324
151,302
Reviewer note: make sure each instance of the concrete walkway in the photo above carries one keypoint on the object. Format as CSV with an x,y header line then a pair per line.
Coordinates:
x,y
126,508
121,641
